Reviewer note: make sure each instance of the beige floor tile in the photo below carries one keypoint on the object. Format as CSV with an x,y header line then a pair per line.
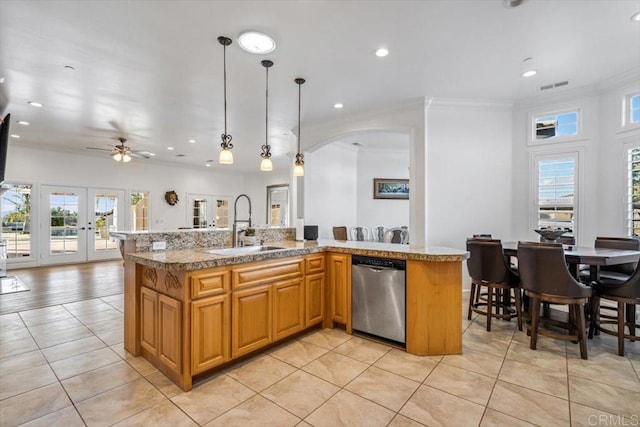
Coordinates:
x,y
107,325
300,393
494,418
53,327
212,398
585,416
261,372
298,353
34,404
543,343
94,317
255,412
112,337
383,387
303,424
402,421
45,315
348,409
495,348
13,334
26,380
635,362
327,338
119,403
501,326
544,380
16,347
605,397
336,368
607,368
67,417
476,361
162,414
21,362
11,321
363,350
408,365
164,384
72,348
87,306
434,407
478,332
543,359
462,383
529,405
82,363
92,383
45,340
140,364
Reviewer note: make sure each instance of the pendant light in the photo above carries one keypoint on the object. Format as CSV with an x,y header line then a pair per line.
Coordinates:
x,y
226,156
298,168
266,164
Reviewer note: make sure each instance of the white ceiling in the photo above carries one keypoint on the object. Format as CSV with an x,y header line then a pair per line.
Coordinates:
x,y
154,69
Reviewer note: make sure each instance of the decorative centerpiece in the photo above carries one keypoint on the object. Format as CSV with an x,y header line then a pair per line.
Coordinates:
x,y
550,235
249,238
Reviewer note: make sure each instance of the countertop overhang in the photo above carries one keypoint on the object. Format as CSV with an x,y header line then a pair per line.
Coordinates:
x,y
196,259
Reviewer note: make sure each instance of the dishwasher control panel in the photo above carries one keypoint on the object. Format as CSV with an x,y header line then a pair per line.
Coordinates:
x,y
396,264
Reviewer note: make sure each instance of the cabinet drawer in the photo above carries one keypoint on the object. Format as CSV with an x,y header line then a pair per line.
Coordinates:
x,y
314,264
265,272
210,282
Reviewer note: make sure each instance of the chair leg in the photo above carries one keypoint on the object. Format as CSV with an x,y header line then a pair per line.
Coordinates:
x,y
472,297
582,339
631,319
490,303
534,308
620,328
595,315
517,296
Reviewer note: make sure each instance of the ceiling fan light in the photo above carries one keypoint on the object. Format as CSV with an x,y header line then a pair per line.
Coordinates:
x,y
266,165
126,158
226,157
117,157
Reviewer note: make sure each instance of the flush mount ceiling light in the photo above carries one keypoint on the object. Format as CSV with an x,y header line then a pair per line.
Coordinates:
x,y
528,70
382,52
256,42
192,141
14,135
266,164
169,148
635,17
121,153
34,104
338,105
23,123
226,156
298,168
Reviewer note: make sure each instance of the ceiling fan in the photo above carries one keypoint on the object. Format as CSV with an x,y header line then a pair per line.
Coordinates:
x,y
123,153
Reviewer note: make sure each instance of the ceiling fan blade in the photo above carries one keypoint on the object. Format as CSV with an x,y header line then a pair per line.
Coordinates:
x,y
117,126
141,154
100,149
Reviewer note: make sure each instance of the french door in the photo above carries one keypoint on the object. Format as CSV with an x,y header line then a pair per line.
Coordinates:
x,y
77,221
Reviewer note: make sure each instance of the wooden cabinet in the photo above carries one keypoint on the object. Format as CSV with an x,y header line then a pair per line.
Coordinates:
x,y
314,288
288,308
210,332
161,328
339,269
251,319
212,281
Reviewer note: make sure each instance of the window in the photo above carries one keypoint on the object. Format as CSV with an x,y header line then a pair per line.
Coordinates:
x,y
634,108
16,220
556,125
222,213
633,191
139,211
556,191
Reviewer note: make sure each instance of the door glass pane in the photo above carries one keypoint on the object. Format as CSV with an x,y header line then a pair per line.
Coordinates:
x,y
139,211
200,213
105,220
63,238
16,220
222,213
556,193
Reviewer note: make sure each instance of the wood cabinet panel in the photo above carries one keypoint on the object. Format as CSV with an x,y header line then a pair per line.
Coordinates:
x,y
251,319
288,308
314,264
314,288
170,332
258,273
210,282
340,288
210,332
148,319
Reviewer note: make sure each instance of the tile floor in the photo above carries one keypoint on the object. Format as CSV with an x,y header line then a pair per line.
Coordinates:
x,y
65,365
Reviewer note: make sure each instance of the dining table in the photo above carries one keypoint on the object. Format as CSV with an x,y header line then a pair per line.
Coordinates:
x,y
593,257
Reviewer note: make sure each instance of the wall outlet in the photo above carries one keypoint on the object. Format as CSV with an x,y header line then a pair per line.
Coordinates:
x,y
159,246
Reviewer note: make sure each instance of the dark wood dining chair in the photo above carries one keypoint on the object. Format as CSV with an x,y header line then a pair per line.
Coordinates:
x,y
546,279
340,233
489,269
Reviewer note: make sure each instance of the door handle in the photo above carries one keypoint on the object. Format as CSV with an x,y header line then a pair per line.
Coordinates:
x,y
89,228
82,228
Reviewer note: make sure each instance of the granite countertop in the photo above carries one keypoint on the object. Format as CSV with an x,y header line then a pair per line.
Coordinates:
x,y
198,258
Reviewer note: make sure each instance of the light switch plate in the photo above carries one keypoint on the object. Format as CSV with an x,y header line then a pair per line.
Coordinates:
x,y
159,246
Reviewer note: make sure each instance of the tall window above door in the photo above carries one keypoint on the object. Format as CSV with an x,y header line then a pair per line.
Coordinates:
x,y
556,191
632,110
633,191
556,126
139,204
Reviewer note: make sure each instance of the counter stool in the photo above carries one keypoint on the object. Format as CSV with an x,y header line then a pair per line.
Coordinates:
x,y
488,268
340,233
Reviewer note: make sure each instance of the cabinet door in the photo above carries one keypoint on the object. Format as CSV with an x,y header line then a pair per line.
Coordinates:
x,y
314,298
210,328
170,332
288,308
251,318
149,320
339,282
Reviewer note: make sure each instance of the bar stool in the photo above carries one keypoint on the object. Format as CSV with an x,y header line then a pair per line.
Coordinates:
x,y
340,233
488,268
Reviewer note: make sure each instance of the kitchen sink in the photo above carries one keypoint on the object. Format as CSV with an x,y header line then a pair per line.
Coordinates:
x,y
240,251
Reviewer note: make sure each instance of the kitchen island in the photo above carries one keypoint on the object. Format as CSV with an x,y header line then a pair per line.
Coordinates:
x,y
190,311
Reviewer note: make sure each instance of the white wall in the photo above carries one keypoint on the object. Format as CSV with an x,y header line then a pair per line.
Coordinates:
x,y
255,186
380,164
330,187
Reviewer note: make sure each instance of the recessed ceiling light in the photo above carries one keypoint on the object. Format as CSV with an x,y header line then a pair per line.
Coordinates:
x,y
338,105
528,67
635,17
1,79
208,165
192,141
529,73
150,153
382,52
255,42
169,148
13,135
34,104
23,123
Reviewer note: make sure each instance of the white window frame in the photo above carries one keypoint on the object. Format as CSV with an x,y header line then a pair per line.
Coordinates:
x,y
626,111
532,141
535,157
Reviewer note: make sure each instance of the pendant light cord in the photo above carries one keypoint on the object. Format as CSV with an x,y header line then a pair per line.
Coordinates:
x,y
299,130
266,120
224,62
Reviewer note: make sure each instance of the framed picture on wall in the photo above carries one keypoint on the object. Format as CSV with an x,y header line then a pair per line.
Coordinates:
x,y
388,188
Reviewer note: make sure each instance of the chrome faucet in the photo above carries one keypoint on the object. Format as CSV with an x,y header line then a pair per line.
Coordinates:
x,y
234,235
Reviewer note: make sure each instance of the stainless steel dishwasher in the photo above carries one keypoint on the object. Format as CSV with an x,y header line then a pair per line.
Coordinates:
x,y
378,297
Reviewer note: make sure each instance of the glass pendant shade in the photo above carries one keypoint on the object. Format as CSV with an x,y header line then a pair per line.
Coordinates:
x,y
117,157
266,165
298,170
226,157
126,158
